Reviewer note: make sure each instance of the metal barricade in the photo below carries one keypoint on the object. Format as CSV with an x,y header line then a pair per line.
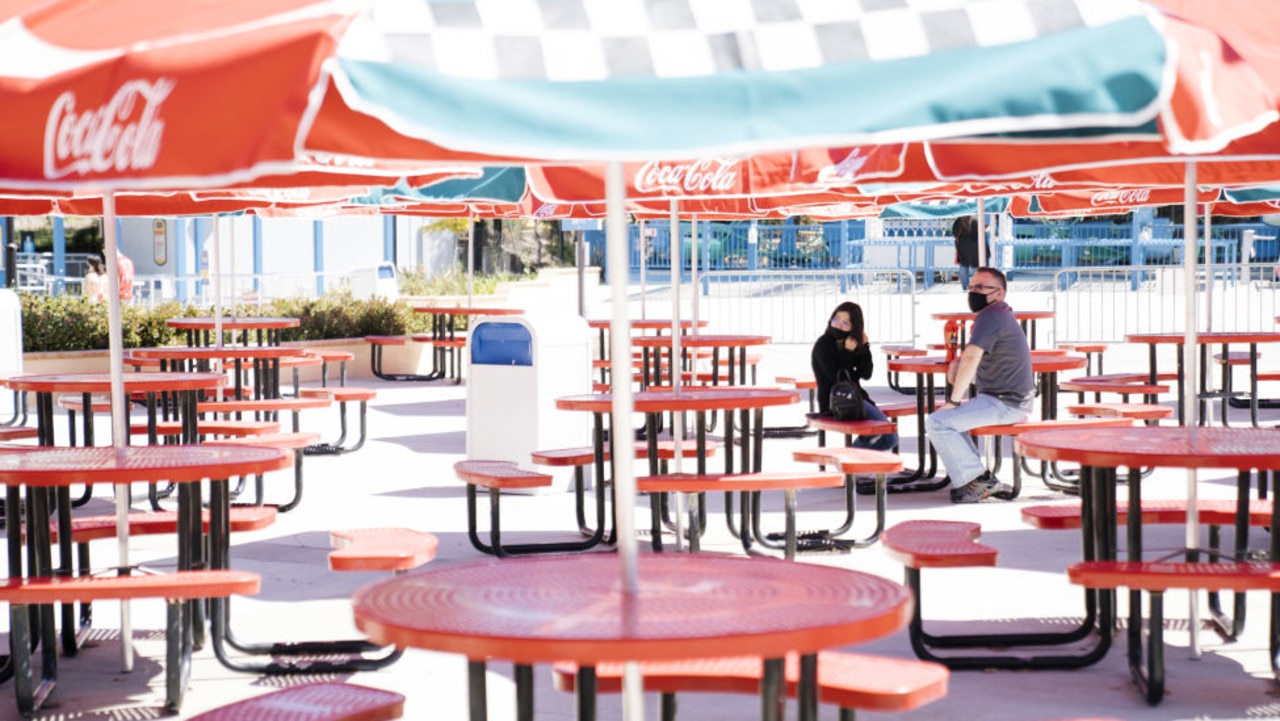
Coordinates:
x,y
1105,304
793,306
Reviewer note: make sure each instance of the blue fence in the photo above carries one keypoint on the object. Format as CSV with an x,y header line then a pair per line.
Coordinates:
x,y
926,246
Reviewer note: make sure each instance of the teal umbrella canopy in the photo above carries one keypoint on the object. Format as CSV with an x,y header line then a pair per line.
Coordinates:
x,y
601,79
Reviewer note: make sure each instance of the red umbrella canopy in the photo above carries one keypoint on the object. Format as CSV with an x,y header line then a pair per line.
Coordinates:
x,y
151,93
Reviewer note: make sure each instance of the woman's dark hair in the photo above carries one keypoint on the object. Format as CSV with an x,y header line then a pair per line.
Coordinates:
x,y
854,310
96,265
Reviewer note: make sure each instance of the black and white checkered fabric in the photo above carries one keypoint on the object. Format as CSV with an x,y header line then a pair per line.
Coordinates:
x,y
586,40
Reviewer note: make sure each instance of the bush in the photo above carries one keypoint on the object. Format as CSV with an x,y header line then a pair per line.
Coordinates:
x,y
66,323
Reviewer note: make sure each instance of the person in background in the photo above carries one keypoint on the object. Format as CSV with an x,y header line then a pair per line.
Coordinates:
x,y
94,286
965,232
843,346
996,359
124,273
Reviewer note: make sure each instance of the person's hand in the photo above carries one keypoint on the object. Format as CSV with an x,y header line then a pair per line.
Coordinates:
x,y
850,344
864,337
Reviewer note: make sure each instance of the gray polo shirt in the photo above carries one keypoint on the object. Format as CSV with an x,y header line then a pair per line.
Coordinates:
x,y
1005,370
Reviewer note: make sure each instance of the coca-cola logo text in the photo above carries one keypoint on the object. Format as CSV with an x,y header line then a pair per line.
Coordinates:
x,y
1120,197
845,171
121,135
696,177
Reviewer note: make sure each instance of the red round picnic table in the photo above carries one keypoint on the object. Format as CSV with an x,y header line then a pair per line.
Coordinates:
x,y
734,345
38,487
199,330
1027,318
1102,451
186,386
1204,340
573,608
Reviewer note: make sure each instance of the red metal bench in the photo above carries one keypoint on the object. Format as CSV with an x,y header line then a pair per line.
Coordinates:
x,y
1013,430
851,681
377,343
327,356
328,701
495,476
1147,666
853,462
749,485
176,588
380,549
954,544
342,396
295,442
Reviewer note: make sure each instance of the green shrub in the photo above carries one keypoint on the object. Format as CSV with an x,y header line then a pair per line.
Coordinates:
x,y
67,323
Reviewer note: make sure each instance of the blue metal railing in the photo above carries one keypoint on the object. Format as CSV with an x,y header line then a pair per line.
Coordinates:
x,y
926,247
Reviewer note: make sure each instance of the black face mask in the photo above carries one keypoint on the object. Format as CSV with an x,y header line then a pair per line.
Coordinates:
x,y
837,334
978,301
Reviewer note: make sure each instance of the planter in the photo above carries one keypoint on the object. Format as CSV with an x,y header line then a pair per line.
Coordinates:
x,y
409,358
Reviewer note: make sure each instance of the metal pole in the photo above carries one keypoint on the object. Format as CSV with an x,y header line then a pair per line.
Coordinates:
x,y
119,425
982,234
677,426
471,260
643,246
1191,367
624,482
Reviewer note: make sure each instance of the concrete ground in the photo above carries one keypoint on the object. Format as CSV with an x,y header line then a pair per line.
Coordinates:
x,y
403,477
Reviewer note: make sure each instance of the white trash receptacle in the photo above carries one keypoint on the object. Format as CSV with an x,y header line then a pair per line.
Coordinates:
x,y
519,366
10,333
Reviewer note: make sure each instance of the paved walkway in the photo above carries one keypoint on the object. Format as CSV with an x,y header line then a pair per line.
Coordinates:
x,y
402,478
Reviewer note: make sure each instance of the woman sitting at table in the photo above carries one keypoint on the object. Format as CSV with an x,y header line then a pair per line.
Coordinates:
x,y
844,347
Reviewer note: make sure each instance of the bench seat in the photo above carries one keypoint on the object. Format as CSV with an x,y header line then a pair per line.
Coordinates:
x,y
380,549
954,544
851,681
1163,575
210,427
325,701
1147,665
175,588
178,585
1135,411
343,395
1016,429
1063,516
332,355
499,475
296,442
748,484
8,434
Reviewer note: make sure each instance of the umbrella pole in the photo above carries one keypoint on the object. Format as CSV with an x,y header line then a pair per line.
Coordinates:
x,y
693,269
1191,367
677,426
643,246
215,259
119,426
982,236
471,260
624,482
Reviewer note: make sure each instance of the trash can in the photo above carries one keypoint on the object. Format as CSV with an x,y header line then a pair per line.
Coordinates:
x,y
520,365
377,281
10,333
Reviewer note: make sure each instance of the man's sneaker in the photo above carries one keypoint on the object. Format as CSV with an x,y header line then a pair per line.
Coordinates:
x,y
978,489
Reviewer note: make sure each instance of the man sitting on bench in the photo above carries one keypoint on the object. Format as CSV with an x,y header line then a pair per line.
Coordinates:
x,y
998,360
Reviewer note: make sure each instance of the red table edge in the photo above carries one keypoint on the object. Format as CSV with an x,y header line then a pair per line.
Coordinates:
x,y
272,459
1128,458
146,381
233,323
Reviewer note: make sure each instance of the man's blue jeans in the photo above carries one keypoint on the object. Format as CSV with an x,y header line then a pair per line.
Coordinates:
x,y
948,431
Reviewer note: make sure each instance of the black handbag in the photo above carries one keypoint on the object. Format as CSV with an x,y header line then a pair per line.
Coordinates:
x,y
846,399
